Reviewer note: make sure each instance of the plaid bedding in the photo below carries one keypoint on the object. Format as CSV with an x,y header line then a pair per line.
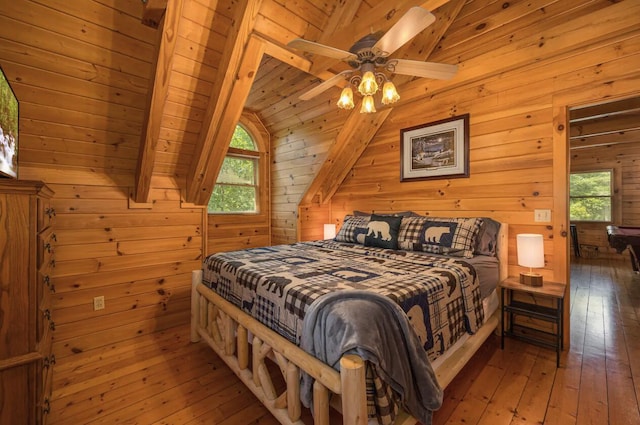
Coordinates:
x,y
276,285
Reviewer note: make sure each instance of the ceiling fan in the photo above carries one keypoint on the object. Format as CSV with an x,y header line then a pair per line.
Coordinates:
x,y
371,53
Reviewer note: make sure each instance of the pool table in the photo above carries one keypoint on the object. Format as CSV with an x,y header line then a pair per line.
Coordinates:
x,y
622,237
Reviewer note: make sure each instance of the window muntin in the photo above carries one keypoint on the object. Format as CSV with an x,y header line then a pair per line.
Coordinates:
x,y
236,189
591,196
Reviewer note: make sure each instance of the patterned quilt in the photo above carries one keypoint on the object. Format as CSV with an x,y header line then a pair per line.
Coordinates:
x,y
276,285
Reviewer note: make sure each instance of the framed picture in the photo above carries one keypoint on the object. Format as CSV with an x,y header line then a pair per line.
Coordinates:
x,y
436,150
8,129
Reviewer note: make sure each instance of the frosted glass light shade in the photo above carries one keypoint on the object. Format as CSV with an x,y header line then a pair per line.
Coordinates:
x,y
368,86
329,231
368,105
346,99
389,93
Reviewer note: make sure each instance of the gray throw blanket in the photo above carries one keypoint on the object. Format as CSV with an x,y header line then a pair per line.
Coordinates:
x,y
377,329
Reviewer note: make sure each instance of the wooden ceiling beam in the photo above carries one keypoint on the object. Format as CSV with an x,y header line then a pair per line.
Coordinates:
x,y
277,51
235,75
605,110
617,138
606,125
153,12
156,100
353,139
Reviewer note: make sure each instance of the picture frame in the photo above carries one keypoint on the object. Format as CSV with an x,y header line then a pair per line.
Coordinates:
x,y
9,125
435,150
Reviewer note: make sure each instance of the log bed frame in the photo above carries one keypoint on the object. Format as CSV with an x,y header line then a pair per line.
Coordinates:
x,y
226,329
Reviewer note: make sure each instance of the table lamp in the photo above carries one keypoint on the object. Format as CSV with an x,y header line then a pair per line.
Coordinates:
x,y
329,231
530,254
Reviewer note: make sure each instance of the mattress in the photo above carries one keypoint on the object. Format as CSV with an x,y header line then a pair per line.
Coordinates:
x,y
442,296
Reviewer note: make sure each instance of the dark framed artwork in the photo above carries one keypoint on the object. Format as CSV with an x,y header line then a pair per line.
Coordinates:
x,y
435,150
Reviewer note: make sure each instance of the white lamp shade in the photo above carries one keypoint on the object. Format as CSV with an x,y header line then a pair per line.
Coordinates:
x,y
329,231
530,250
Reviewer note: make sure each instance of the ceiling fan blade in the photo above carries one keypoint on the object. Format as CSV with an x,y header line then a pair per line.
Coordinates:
x,y
438,71
414,21
321,49
323,85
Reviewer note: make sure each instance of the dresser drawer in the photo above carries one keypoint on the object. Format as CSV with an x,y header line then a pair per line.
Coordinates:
x,y
45,289
45,328
44,404
48,363
46,249
46,213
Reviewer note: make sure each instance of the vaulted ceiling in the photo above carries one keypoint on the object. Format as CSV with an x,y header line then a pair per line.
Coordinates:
x,y
218,58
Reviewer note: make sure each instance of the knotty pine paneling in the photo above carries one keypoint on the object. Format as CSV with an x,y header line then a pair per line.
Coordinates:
x,y
81,75
512,135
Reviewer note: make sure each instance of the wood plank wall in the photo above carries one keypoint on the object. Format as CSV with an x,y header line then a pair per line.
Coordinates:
x,y
624,160
81,72
511,94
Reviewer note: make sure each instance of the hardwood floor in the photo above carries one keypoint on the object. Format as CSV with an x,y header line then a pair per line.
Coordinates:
x,y
598,381
164,379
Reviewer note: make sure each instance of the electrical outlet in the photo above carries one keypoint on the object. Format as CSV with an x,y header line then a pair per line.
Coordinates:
x,y
542,216
98,303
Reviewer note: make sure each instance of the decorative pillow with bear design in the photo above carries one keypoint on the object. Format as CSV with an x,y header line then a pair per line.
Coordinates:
x,y
382,231
440,235
353,229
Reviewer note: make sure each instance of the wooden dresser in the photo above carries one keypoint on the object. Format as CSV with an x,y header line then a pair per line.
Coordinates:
x,y
27,240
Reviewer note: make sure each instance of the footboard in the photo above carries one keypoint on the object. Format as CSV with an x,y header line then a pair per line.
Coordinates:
x,y
226,329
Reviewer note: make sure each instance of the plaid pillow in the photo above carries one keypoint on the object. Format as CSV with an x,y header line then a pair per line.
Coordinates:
x,y
353,229
439,235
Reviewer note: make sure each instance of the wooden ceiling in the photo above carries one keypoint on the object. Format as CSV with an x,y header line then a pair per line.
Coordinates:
x,y
218,58
605,124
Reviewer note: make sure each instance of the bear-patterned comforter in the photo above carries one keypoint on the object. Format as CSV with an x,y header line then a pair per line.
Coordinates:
x,y
276,285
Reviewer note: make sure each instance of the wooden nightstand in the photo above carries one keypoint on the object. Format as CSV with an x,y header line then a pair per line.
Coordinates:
x,y
511,308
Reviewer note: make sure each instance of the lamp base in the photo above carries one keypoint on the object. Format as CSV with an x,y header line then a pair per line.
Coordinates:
x,y
531,279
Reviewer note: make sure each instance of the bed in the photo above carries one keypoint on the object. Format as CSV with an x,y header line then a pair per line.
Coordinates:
x,y
278,302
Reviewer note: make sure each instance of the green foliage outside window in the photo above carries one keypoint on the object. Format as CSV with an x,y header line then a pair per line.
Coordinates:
x,y
236,189
590,196
242,140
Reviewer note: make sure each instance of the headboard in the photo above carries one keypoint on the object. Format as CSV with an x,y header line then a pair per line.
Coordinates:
x,y
502,245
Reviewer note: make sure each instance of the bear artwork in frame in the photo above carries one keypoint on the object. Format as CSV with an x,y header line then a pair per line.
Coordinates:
x,y
436,150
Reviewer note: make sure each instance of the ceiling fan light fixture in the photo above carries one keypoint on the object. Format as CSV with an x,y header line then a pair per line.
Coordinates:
x,y
389,93
346,99
368,105
368,86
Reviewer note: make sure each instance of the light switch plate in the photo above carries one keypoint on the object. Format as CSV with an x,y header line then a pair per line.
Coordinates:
x,y
98,303
542,216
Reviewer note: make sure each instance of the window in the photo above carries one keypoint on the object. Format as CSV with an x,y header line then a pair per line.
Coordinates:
x,y
236,189
590,196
